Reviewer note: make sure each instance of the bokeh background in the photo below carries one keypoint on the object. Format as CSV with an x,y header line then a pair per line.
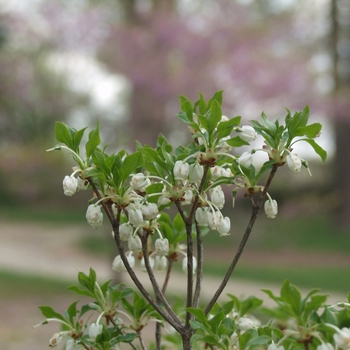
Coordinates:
x,y
124,63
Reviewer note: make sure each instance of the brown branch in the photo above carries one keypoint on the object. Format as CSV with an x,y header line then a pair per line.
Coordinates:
x,y
199,278
255,211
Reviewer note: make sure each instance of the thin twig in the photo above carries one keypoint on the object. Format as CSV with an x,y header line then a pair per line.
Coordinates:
x,y
189,272
199,278
255,211
143,346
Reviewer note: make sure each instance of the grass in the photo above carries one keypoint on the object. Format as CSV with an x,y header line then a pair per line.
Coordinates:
x,y
15,285
328,279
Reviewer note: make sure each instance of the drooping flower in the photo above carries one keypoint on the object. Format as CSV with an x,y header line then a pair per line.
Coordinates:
x,y
135,216
118,265
56,339
225,226
246,159
94,216
181,170
294,162
325,346
94,330
82,184
160,263
143,265
342,338
247,133
196,172
218,171
72,345
273,346
215,218
139,182
125,231
135,244
162,246
187,197
149,211
217,197
70,185
202,216
184,264
271,208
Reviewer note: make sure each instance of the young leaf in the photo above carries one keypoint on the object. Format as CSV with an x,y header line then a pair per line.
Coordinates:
x,y
49,312
77,139
198,313
318,149
291,295
130,164
63,134
93,141
237,142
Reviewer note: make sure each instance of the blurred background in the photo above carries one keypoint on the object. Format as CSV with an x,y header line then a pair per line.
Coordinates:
x,y
124,63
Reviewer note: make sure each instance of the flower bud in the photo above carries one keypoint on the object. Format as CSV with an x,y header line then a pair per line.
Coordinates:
x,y
56,339
95,330
149,211
162,246
135,244
218,171
196,173
181,170
135,216
225,226
202,216
72,345
294,162
325,346
70,185
247,133
125,231
94,216
139,182
273,346
271,208
143,265
160,263
245,159
217,197
184,264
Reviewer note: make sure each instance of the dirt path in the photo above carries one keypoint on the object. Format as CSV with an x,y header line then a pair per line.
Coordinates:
x,y
47,249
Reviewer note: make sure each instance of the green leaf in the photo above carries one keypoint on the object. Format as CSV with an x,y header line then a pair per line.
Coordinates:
x,y
237,142
93,141
63,134
217,97
198,313
130,164
80,291
249,304
77,139
72,311
317,148
49,312
291,295
214,116
310,131
298,120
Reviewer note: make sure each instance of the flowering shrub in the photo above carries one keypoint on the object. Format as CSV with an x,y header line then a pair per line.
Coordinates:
x,y
133,191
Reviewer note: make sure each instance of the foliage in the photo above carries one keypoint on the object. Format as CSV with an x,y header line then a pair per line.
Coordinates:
x,y
134,189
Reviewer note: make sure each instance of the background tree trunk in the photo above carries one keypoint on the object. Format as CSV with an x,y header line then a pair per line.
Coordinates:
x,y
340,51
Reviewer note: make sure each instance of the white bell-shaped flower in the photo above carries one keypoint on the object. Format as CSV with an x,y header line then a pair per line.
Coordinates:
x,y
56,339
94,215
225,226
187,197
139,182
325,346
202,216
125,231
184,264
143,265
181,170
149,211
196,173
70,185
160,263
215,218
218,171
246,159
162,246
271,208
135,244
342,338
294,162
95,330
118,265
247,133
82,184
217,197
135,216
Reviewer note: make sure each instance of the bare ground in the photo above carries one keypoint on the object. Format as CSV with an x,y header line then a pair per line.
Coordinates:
x,y
51,250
